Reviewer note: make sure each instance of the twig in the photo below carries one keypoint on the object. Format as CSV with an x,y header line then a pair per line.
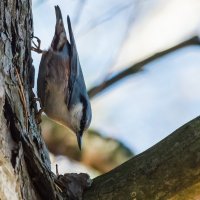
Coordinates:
x,y
137,67
57,173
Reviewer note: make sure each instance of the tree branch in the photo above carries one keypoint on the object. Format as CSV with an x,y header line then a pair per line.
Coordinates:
x,y
168,170
138,66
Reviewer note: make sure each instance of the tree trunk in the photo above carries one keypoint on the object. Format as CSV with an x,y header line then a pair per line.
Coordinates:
x,y
23,156
169,170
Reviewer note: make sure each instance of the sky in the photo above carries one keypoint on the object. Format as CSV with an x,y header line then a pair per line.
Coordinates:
x,y
111,35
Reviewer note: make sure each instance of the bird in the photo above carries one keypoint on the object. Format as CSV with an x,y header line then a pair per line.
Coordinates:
x,y
61,87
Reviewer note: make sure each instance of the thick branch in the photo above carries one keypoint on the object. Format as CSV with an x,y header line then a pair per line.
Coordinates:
x,y
138,66
168,170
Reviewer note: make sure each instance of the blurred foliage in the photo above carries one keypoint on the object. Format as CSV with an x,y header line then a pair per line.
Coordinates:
x,y
98,152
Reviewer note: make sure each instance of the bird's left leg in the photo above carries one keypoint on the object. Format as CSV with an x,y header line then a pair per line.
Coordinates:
x,y
38,116
39,113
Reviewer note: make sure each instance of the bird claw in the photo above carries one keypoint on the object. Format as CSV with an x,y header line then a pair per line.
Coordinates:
x,y
39,113
36,47
37,99
38,116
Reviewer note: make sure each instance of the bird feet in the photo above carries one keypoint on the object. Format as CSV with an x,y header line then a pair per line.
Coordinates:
x,y
38,116
39,113
36,47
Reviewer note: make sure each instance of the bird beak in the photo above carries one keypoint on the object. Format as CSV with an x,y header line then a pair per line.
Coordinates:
x,y
79,138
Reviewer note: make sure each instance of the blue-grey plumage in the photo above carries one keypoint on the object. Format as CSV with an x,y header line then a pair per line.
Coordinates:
x,y
60,85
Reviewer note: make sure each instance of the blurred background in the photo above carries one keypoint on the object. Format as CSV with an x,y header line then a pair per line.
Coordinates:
x,y
141,62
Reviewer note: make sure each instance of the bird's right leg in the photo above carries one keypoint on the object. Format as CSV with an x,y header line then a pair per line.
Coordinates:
x,y
36,47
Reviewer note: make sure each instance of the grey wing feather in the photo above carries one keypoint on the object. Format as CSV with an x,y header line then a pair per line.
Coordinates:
x,y
74,64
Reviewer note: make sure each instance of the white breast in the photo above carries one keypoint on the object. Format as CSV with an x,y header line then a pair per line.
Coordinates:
x,y
76,115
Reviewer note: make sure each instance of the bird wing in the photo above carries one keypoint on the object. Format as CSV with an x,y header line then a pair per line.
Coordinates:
x,y
74,62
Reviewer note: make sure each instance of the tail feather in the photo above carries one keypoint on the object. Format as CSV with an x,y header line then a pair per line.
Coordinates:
x,y
58,13
60,37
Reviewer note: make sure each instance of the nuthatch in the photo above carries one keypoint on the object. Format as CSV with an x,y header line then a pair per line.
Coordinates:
x,y
60,84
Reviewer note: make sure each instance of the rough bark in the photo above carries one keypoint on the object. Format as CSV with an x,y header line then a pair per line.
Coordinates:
x,y
24,162
168,170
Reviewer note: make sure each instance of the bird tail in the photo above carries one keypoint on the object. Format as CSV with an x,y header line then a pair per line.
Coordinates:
x,y
58,14
60,37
